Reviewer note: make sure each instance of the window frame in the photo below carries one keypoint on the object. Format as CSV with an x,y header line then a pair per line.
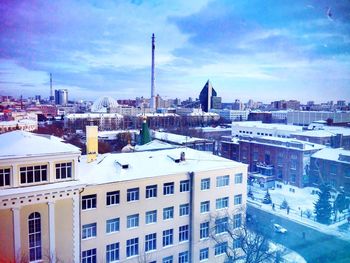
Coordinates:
x,y
133,194
5,176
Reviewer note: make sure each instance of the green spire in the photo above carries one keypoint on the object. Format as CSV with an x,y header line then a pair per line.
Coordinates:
x,y
145,134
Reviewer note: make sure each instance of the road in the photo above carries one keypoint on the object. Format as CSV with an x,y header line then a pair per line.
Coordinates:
x,y
317,247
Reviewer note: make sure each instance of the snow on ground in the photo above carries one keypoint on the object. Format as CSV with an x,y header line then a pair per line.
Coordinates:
x,y
303,199
300,199
288,255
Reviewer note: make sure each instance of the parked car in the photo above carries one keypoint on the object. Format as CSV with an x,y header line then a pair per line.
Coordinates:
x,y
279,229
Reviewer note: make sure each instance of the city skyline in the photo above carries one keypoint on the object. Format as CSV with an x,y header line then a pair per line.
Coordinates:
x,y
249,50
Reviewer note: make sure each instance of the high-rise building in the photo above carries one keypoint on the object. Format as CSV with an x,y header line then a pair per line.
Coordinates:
x,y
61,96
208,98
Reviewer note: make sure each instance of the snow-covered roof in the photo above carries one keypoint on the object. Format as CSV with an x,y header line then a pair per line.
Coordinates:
x,y
175,138
271,126
165,114
315,133
93,115
325,131
154,145
332,154
19,122
111,134
17,144
284,142
148,164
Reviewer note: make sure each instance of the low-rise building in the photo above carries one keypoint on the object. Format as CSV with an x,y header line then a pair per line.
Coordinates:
x,y
331,166
130,207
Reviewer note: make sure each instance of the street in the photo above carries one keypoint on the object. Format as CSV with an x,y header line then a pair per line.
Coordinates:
x,y
315,247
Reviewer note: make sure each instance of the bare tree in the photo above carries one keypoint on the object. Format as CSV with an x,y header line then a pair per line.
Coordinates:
x,y
242,243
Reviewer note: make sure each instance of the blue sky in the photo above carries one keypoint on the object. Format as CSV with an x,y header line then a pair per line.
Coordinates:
x,y
264,50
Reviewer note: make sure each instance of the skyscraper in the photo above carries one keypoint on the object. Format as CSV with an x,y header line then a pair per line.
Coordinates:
x,y
61,96
206,97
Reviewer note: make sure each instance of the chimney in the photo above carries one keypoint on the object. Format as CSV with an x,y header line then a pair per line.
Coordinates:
x,y
91,143
182,157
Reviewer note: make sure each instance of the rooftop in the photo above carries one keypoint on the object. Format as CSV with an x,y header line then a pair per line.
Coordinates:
x,y
108,167
175,138
93,115
332,154
284,142
271,126
154,145
18,144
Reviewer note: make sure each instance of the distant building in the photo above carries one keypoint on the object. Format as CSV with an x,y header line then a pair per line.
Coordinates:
x,y
331,166
237,105
265,117
61,97
232,115
304,118
257,128
207,96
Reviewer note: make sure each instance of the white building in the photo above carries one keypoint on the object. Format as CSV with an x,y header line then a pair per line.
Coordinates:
x,y
257,128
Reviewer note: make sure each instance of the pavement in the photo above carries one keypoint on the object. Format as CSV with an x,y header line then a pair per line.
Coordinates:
x,y
313,245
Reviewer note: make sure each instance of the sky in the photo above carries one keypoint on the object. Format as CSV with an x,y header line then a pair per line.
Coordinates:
x,y
261,50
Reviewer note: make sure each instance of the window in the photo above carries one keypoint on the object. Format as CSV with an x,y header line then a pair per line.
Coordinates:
x,y
168,237
151,242
237,199
112,198
220,248
168,259
222,203
184,210
184,186
255,156
221,225
168,189
205,184
238,178
183,233
133,194
168,213
204,253
132,247
151,191
89,231
34,235
204,230
151,217
112,225
33,174
237,220
205,206
63,170
237,243
112,252
222,180
133,221
293,164
184,257
88,202
89,256
5,176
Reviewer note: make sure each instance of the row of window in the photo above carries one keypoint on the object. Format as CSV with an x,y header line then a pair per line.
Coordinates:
x,y
220,203
113,225
132,249
133,194
36,173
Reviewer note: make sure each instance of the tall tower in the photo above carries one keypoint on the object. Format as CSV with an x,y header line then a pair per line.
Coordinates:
x,y
153,98
52,98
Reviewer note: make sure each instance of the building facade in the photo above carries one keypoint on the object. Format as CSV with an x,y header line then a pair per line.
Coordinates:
x,y
152,206
39,199
331,166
